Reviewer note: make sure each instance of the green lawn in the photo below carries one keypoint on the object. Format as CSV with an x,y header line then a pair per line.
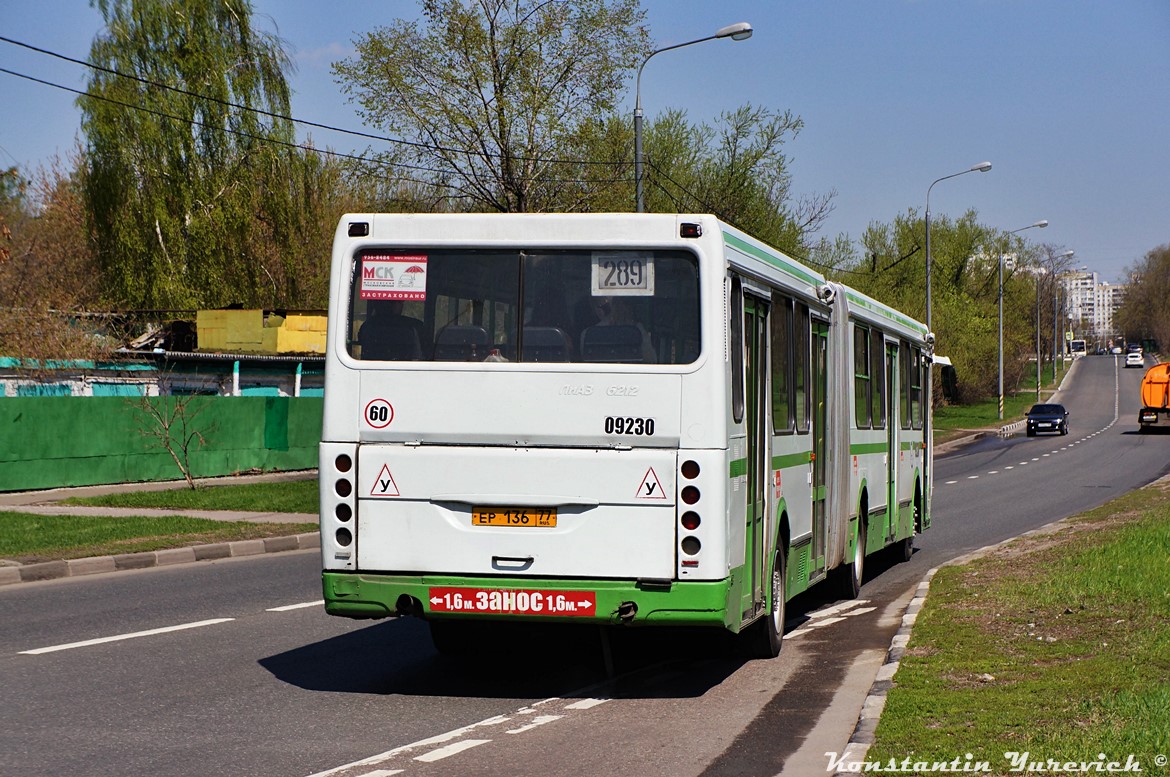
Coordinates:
x,y
28,538
299,496
1057,645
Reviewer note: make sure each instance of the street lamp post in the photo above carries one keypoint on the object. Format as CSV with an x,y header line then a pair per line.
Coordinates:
x,y
1041,224
1039,355
738,31
982,167
1057,327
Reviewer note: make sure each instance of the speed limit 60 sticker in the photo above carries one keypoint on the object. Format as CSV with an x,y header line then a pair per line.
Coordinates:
x,y
379,413
513,601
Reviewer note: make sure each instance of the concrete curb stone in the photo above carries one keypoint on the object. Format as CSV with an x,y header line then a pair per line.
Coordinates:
x,y
171,556
247,548
94,565
51,570
135,560
214,551
45,570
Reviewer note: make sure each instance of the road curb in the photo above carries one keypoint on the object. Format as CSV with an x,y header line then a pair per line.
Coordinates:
x,y
875,701
52,570
857,749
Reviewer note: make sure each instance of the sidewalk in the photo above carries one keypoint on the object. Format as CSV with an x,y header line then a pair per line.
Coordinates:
x,y
48,503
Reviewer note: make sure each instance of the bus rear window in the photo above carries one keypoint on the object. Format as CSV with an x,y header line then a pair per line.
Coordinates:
x,y
582,306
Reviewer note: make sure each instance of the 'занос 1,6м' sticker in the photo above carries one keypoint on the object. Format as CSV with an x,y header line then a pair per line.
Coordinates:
x,y
512,601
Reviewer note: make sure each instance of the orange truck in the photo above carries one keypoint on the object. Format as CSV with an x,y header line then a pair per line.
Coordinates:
x,y
1155,397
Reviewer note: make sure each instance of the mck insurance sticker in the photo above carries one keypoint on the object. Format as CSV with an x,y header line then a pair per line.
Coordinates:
x,y
513,601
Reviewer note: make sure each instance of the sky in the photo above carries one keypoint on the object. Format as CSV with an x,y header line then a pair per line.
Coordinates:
x,y
1068,99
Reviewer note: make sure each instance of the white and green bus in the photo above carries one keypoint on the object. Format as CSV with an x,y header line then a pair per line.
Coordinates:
x,y
635,419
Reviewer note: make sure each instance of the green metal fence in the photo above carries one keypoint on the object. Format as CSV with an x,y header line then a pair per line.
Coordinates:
x,y
49,442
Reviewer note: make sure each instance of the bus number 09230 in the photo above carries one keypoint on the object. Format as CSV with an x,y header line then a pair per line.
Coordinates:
x,y
625,425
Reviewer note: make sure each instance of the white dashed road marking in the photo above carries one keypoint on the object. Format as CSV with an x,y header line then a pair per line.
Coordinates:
x,y
120,637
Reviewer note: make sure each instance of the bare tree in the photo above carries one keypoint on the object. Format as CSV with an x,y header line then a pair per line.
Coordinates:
x,y
172,422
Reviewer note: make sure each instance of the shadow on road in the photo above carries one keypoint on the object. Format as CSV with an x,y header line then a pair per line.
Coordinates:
x,y
396,657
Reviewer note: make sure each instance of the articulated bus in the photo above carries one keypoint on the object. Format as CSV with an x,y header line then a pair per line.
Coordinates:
x,y
618,419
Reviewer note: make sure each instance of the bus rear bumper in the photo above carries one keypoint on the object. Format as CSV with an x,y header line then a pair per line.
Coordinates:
x,y
615,602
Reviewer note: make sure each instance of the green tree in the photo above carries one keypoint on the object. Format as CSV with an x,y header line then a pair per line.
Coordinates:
x,y
179,160
488,92
1146,310
735,168
965,287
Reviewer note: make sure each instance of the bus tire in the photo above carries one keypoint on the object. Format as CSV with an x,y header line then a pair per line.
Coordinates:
x,y
905,549
852,573
764,638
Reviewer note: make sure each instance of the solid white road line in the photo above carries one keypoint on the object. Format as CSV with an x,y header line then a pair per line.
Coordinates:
x,y
302,605
120,637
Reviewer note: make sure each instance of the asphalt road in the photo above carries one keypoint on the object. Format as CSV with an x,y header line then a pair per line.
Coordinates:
x,y
260,682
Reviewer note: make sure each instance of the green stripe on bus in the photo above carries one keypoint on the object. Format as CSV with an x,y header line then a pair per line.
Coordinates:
x,y
872,447
912,445
772,259
738,468
791,460
882,310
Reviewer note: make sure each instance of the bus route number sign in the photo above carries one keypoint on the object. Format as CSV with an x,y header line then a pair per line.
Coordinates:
x,y
623,273
512,601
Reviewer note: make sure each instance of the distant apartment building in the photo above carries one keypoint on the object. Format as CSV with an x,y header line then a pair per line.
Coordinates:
x,y
1092,304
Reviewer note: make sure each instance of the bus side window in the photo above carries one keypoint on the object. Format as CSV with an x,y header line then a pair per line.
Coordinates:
x,y
877,374
905,365
861,381
916,382
802,362
737,376
783,366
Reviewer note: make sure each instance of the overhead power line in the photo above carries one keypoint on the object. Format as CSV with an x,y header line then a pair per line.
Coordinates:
x,y
301,146
283,117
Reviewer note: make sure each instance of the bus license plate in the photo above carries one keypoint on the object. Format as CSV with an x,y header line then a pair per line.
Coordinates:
x,y
523,517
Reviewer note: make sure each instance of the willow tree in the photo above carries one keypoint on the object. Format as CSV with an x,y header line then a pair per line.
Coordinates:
x,y
183,151
487,92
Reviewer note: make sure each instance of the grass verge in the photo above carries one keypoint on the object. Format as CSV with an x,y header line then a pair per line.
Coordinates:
x,y
28,538
985,413
1055,645
297,496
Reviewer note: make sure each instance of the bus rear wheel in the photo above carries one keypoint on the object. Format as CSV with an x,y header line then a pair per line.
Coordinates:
x,y
852,573
764,638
